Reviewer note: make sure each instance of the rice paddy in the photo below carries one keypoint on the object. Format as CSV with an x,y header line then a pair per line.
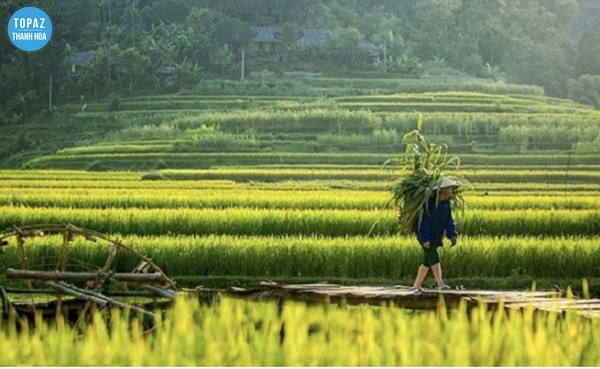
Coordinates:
x,y
227,189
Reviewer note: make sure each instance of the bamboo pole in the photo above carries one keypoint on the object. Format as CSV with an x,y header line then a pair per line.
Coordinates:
x,y
160,291
36,230
69,290
50,291
64,250
94,296
81,276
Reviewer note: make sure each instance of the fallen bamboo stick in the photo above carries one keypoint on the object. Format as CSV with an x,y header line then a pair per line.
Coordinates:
x,y
94,297
69,290
160,291
82,276
50,291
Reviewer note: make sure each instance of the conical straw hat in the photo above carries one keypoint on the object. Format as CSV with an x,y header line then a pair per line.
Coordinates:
x,y
447,182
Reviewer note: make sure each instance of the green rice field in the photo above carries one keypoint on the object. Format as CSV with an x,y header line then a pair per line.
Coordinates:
x,y
310,229
231,187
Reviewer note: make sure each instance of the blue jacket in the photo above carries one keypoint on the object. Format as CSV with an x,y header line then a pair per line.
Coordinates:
x,y
436,221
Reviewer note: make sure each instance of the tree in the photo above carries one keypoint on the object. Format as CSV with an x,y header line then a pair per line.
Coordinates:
x,y
166,11
223,59
229,37
232,31
524,41
290,34
319,16
585,90
202,20
539,54
480,35
132,24
134,69
343,47
25,76
589,53
165,43
434,21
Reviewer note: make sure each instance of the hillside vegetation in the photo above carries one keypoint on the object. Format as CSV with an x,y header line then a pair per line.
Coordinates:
x,y
343,121
103,48
260,184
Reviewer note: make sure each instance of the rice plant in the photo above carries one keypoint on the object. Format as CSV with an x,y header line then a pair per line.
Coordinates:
x,y
240,333
390,258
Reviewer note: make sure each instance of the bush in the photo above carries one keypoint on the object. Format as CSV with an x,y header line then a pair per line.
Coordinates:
x,y
98,166
585,90
115,102
153,176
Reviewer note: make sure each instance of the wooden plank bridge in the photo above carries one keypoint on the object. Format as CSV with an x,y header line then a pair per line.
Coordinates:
x,y
404,297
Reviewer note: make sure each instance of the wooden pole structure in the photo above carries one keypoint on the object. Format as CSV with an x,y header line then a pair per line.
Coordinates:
x,y
50,93
94,297
384,56
81,276
243,63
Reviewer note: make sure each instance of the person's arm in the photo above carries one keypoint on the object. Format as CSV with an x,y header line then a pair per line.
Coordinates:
x,y
451,228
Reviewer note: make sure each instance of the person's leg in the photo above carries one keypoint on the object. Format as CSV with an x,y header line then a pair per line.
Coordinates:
x,y
437,274
423,268
433,260
421,274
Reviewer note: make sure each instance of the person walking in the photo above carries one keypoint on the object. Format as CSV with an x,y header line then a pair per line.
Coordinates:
x,y
437,221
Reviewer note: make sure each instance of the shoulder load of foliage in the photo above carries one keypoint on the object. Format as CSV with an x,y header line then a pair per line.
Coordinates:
x,y
423,168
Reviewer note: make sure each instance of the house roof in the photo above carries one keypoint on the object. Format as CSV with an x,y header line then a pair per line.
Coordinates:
x,y
80,58
267,34
166,70
272,34
313,35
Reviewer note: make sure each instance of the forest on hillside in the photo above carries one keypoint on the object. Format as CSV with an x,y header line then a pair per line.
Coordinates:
x,y
102,47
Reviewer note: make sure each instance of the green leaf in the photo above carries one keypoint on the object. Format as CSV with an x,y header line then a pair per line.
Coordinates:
x,y
420,122
423,167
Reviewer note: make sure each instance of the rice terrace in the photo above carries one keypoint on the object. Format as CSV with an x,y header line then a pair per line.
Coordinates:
x,y
197,183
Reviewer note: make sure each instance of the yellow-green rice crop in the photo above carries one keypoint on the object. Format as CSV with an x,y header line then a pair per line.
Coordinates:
x,y
159,159
237,333
507,188
389,258
89,195
329,222
562,175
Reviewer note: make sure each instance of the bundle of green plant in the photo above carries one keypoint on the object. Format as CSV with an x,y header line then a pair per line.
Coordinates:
x,y
423,169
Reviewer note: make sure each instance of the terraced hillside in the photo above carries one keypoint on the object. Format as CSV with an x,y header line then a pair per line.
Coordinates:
x,y
485,122
229,189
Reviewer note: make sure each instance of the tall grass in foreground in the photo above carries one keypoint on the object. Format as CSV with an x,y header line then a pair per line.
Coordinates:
x,y
237,333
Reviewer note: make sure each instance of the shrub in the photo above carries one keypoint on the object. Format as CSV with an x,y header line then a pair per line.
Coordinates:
x,y
153,176
585,90
115,102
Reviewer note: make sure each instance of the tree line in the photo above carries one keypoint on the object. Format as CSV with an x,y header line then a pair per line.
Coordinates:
x,y
127,47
